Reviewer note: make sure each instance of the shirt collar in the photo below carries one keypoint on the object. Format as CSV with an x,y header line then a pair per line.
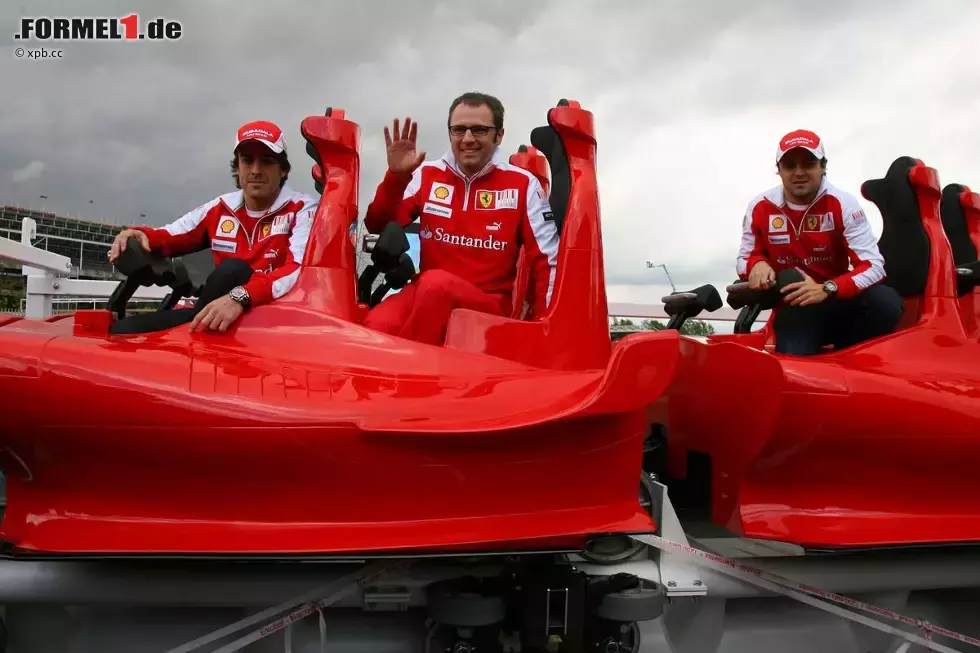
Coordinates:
x,y
495,161
236,201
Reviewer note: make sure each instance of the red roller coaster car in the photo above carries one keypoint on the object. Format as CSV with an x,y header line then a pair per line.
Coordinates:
x,y
301,432
871,446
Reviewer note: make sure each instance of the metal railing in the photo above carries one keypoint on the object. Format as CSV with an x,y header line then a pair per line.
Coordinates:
x,y
49,276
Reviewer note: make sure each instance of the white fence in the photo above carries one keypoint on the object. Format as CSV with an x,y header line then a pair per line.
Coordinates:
x,y
48,277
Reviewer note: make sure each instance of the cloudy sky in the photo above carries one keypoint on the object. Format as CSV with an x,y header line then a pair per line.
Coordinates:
x,y
690,100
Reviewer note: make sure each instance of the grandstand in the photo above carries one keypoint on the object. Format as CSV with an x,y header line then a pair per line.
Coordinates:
x,y
85,242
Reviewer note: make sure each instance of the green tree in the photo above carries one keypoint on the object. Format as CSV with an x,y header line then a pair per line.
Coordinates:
x,y
690,328
697,328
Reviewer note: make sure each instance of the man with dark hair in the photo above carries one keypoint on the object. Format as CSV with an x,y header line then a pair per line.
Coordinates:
x,y
476,211
257,236
809,224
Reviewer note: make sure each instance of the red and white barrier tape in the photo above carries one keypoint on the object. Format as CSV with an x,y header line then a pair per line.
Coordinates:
x,y
309,603
806,593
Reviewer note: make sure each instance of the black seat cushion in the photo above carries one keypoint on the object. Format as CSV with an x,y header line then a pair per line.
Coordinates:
x,y
903,243
199,266
958,233
548,142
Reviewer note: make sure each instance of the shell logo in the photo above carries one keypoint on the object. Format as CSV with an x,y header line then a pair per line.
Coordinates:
x,y
778,223
442,192
227,226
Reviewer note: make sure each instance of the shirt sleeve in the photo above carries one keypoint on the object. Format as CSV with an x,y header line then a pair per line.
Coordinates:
x,y
395,199
539,235
264,287
752,247
185,235
867,263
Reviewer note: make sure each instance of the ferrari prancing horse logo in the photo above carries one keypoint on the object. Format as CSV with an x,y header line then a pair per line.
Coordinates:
x,y
494,200
486,197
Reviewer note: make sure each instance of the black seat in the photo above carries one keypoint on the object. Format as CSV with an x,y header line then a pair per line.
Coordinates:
x,y
682,306
192,272
199,266
903,244
547,140
389,256
958,233
317,170
968,276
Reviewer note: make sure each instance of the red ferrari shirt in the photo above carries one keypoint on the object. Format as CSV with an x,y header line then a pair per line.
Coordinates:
x,y
272,242
474,227
829,239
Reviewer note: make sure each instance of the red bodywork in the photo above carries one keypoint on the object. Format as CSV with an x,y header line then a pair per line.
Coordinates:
x,y
874,445
300,431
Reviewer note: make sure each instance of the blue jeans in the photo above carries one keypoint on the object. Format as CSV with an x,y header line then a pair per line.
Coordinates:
x,y
804,330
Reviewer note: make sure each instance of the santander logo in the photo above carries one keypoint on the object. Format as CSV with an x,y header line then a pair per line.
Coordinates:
x,y
464,241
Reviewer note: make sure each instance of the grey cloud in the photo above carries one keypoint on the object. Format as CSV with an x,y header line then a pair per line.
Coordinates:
x,y
28,172
148,127
89,114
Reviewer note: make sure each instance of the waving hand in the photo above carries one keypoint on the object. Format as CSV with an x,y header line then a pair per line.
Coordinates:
x,y
402,157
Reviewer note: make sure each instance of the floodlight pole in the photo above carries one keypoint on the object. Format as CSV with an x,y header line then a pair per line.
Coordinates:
x,y
666,271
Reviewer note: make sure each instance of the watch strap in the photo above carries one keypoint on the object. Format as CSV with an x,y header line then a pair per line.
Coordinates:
x,y
240,295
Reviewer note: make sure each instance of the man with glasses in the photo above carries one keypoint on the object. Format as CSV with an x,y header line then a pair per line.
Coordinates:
x,y
809,224
476,210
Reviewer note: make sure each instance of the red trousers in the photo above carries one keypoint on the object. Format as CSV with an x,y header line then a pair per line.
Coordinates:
x,y
421,310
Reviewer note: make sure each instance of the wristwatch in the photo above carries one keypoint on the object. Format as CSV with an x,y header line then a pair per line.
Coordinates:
x,y
240,295
830,288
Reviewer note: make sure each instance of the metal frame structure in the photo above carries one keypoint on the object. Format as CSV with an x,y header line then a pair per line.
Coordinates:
x,y
759,595
48,275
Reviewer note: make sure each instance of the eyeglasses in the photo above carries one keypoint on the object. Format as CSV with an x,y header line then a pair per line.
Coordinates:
x,y
477,130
